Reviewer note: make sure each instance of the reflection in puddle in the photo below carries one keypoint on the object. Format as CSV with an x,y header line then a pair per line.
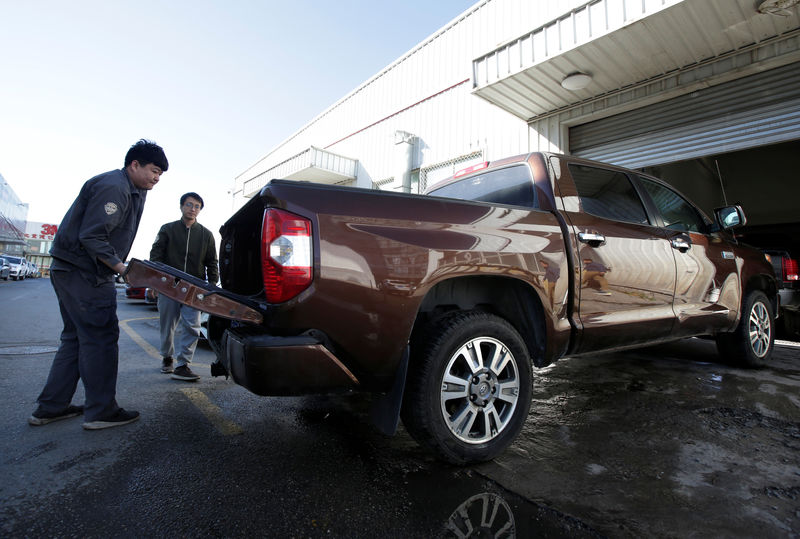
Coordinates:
x,y
428,499
482,515
447,503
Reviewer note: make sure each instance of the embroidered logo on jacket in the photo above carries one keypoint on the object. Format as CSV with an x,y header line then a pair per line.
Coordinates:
x,y
110,208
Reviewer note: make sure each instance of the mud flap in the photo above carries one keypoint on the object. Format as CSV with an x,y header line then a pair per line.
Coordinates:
x,y
218,369
385,411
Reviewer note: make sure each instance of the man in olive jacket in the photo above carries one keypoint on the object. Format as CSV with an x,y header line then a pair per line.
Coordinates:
x,y
188,246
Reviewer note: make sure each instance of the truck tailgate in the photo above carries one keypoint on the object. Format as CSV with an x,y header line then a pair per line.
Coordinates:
x,y
191,291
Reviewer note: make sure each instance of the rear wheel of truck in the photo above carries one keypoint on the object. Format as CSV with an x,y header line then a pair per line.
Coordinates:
x,y
751,343
468,390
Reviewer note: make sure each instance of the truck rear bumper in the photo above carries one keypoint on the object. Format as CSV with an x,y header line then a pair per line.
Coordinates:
x,y
263,363
271,365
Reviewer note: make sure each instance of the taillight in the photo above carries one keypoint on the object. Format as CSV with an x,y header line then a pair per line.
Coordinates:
x,y
789,266
286,256
470,170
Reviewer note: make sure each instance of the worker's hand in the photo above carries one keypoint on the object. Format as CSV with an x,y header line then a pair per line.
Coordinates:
x,y
121,268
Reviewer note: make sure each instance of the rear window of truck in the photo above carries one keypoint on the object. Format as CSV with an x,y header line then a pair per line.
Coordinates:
x,y
510,185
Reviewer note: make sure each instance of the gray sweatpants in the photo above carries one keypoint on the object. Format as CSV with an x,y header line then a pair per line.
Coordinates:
x,y
180,329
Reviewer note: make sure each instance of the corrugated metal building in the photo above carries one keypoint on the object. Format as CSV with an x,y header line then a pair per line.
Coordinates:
x,y
677,87
13,219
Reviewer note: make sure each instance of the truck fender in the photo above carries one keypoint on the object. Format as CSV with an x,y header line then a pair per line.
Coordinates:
x,y
385,411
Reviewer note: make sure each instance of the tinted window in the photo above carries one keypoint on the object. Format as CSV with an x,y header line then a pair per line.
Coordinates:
x,y
677,212
608,193
512,185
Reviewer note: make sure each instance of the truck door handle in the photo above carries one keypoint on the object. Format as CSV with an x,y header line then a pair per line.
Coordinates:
x,y
681,244
593,239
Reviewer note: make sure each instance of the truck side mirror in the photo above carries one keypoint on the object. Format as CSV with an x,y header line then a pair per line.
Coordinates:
x,y
730,216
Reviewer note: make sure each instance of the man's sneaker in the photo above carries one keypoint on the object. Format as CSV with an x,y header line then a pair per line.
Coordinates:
x,y
184,373
166,365
39,418
120,417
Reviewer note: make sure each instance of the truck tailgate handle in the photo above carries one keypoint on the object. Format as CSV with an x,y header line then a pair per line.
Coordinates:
x,y
681,244
592,238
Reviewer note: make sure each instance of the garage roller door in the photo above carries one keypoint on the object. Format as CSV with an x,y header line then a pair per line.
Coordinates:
x,y
752,111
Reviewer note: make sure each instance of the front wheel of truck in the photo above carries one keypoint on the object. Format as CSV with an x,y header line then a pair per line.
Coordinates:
x,y
751,343
468,390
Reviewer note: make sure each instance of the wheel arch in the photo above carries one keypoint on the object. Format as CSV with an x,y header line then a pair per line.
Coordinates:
x,y
765,284
511,299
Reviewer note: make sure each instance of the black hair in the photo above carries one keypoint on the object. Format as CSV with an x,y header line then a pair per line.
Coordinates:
x,y
146,152
193,195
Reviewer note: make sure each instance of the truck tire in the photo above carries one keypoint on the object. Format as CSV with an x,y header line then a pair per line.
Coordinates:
x,y
751,343
468,390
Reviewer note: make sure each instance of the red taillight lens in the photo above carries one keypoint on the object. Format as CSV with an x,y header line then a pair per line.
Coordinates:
x,y
470,170
789,266
286,256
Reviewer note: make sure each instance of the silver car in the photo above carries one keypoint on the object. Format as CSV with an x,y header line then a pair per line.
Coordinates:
x,y
18,266
5,269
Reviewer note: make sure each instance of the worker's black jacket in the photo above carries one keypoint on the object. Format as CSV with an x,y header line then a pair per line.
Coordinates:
x,y
98,229
189,249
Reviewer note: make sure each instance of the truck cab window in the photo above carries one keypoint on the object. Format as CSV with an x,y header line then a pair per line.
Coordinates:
x,y
511,185
608,194
677,212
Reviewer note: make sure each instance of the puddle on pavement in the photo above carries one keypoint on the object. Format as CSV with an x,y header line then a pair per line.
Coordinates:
x,y
464,504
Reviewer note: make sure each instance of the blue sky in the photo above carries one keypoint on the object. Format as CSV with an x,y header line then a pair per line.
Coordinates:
x,y
217,84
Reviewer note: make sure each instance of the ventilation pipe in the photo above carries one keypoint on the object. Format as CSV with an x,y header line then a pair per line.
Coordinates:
x,y
405,142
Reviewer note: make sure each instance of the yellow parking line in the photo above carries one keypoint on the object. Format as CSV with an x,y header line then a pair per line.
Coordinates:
x,y
195,396
212,412
144,345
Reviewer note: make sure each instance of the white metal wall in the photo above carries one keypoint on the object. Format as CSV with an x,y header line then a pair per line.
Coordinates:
x,y
427,93
451,125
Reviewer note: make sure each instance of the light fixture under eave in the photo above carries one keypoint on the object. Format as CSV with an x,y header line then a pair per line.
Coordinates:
x,y
777,7
576,81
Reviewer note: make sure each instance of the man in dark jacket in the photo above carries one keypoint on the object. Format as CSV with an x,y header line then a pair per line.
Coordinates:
x,y
88,251
188,246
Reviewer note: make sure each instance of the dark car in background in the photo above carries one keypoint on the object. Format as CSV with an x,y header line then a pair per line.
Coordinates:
x,y
781,244
788,275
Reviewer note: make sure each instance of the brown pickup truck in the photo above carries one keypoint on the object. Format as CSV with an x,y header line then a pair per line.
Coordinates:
x,y
441,304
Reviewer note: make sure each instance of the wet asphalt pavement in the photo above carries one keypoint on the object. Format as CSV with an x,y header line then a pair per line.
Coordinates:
x,y
662,442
